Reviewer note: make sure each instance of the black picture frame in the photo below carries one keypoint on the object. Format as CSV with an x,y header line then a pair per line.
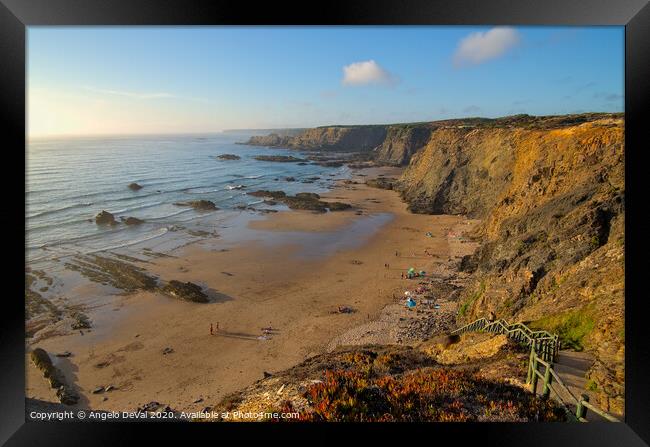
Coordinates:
x,y
16,15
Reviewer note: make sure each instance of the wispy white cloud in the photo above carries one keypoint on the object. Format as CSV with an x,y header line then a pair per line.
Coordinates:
x,y
483,46
365,73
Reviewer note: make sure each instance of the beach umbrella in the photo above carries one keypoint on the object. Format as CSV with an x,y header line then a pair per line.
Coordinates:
x,y
411,270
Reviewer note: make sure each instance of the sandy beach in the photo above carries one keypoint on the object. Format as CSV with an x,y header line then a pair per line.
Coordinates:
x,y
292,277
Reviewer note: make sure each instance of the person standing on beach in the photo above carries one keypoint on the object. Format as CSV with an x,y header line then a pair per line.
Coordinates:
x,y
211,332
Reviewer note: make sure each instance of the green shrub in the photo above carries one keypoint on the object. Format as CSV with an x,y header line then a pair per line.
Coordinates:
x,y
475,296
572,327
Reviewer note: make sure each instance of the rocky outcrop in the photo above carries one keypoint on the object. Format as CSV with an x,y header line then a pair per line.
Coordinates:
x,y
132,220
107,270
105,218
228,157
269,140
203,205
66,394
303,201
381,182
186,291
278,158
266,193
329,138
401,142
551,194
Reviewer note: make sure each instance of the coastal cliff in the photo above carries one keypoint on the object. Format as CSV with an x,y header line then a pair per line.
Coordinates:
x,y
550,193
331,138
551,196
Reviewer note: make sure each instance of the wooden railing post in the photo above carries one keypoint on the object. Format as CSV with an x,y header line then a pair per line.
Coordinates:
x,y
581,410
530,364
533,377
546,390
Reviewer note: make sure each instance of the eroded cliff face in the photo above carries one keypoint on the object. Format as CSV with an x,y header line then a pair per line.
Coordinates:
x,y
401,142
551,196
332,138
272,139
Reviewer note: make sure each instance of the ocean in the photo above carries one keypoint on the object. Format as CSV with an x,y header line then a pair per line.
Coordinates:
x,y
69,181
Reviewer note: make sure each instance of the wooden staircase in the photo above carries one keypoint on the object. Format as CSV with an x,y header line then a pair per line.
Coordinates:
x,y
551,371
572,367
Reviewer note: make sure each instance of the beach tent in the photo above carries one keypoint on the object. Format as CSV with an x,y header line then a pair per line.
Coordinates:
x,y
411,270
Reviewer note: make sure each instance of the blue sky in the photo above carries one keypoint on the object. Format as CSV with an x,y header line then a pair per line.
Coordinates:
x,y
103,80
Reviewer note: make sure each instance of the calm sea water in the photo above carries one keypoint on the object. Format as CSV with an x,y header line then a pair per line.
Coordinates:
x,y
69,181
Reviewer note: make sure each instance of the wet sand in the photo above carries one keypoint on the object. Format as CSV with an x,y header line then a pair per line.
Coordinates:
x,y
291,276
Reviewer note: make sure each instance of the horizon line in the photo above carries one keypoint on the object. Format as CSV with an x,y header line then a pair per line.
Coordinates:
x,y
207,132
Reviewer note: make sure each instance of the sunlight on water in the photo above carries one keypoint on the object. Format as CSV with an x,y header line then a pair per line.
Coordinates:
x,y
69,181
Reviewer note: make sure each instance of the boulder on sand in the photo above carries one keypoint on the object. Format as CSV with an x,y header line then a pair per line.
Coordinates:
x,y
105,218
134,186
337,206
308,196
186,291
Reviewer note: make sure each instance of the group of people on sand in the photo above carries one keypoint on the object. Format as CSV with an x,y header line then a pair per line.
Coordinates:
x,y
387,266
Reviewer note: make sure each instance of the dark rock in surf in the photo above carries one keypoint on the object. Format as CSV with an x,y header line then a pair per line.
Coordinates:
x,y
134,186
278,158
203,205
132,220
228,157
266,193
105,218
